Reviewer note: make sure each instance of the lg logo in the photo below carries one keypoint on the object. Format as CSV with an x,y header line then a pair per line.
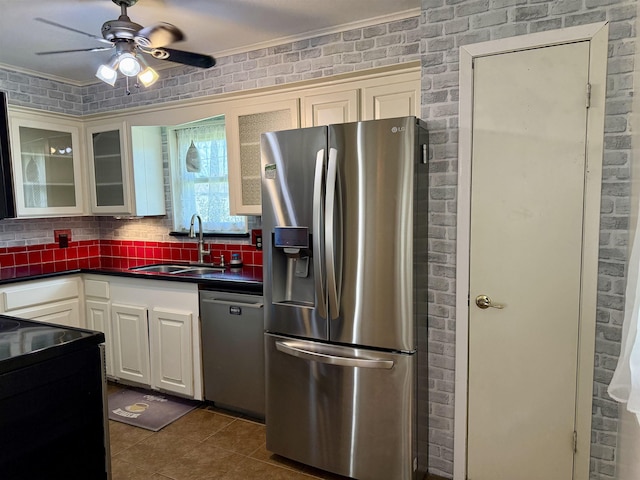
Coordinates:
x,y
397,129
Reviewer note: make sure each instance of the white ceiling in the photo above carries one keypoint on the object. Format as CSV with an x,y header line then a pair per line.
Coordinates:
x,y
214,27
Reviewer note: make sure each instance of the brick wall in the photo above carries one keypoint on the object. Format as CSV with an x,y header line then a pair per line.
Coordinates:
x,y
332,54
434,38
447,25
35,92
36,231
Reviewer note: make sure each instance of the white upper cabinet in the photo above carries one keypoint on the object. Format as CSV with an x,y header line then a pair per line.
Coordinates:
x,y
245,123
47,153
391,100
124,150
385,94
330,106
148,175
125,169
106,149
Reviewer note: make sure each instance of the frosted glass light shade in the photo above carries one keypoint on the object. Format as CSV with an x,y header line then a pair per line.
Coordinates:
x,y
148,76
129,65
107,74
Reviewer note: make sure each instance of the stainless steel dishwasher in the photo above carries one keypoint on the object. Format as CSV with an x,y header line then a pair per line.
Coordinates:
x,y
233,351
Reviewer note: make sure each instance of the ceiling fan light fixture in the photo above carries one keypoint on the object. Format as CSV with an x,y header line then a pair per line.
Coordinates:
x,y
148,76
129,65
107,74
131,43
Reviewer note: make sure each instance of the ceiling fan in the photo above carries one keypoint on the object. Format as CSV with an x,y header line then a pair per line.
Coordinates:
x,y
131,41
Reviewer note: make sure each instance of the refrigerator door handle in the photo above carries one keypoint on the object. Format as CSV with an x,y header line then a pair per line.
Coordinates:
x,y
291,349
318,237
332,183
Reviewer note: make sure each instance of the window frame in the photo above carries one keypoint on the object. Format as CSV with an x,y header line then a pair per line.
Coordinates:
x,y
174,159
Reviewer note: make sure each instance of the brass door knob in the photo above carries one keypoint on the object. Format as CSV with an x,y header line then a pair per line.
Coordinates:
x,y
484,302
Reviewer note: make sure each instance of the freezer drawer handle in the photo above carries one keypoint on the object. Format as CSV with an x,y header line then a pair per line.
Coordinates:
x,y
228,302
290,349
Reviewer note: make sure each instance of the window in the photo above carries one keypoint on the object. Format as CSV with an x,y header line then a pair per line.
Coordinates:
x,y
199,178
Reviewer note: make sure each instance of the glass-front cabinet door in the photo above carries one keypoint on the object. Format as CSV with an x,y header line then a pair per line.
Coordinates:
x,y
246,124
107,169
46,165
125,169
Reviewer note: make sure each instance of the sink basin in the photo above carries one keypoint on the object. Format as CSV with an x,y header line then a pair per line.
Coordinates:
x,y
164,268
201,270
173,269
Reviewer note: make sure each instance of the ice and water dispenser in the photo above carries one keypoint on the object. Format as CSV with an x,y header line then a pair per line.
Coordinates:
x,y
293,272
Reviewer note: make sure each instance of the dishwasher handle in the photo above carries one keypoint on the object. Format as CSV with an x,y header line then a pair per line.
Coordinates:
x,y
290,349
221,301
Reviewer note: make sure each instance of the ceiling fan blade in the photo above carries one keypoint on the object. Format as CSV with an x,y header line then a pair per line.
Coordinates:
x,y
159,35
188,58
97,49
90,35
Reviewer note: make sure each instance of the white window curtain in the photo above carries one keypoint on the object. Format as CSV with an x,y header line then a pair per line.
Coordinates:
x,y
625,384
200,179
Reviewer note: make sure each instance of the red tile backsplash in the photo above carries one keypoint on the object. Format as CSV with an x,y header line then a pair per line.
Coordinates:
x,y
50,258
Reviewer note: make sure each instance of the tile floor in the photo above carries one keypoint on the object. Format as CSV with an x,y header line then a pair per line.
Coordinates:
x,y
205,444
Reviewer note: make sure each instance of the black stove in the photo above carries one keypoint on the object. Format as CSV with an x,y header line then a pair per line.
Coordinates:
x,y
21,339
46,372
7,325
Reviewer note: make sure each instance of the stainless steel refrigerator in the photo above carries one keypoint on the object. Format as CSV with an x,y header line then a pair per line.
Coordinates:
x,y
344,224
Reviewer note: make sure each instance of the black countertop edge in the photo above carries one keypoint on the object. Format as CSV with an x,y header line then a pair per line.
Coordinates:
x,y
236,285
37,276
88,339
229,285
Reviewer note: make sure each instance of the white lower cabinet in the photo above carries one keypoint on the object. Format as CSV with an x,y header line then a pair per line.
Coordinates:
x,y
98,314
131,343
53,300
153,331
65,313
171,350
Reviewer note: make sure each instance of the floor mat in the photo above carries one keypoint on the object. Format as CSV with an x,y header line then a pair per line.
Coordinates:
x,y
147,409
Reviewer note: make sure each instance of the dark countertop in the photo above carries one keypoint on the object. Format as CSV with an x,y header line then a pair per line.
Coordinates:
x,y
247,279
25,342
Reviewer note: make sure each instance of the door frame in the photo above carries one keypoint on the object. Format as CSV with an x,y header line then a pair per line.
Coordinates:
x,y
597,34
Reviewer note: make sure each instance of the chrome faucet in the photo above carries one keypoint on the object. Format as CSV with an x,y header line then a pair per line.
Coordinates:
x,y
192,234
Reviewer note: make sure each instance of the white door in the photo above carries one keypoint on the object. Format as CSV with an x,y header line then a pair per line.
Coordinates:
x,y
527,194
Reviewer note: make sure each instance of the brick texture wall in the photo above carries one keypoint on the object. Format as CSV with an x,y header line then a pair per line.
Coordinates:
x,y
332,54
447,25
434,38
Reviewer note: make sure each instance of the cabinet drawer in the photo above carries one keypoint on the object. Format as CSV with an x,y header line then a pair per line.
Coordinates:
x,y
96,288
36,294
